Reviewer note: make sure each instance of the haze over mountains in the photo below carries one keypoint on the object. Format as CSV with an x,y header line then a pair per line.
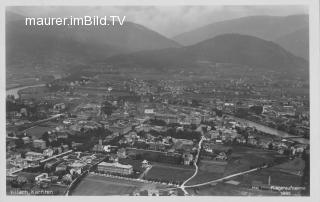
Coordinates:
x,y
226,48
271,28
297,42
231,41
82,41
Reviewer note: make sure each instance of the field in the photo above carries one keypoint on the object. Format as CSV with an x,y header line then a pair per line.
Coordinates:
x,y
243,158
208,170
276,178
37,131
34,92
295,166
223,189
168,172
94,185
155,156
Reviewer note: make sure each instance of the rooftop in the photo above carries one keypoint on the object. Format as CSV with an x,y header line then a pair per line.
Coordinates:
x,y
116,164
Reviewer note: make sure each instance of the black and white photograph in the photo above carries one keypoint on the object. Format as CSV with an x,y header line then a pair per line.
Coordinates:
x,y
160,100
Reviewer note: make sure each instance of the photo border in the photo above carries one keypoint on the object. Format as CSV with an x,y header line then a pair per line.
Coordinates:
x,y
314,81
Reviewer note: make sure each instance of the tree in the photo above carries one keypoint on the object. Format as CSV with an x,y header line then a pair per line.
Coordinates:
x,y
45,137
19,142
21,180
107,108
256,109
195,103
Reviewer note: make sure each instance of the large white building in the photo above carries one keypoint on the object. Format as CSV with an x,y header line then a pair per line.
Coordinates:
x,y
115,168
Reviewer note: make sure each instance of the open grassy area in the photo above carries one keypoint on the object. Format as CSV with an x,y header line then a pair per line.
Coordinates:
x,y
94,185
37,131
276,177
168,172
212,166
244,158
224,189
295,166
34,92
208,170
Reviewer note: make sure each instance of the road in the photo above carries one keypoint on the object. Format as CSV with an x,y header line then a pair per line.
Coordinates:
x,y
214,181
55,156
224,178
183,185
145,172
196,166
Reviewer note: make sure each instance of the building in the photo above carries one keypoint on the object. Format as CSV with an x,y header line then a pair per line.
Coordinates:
x,y
98,147
39,144
26,140
149,111
51,164
59,106
168,118
222,156
121,153
145,164
48,152
153,192
115,167
77,167
61,167
42,177
33,156
287,110
187,158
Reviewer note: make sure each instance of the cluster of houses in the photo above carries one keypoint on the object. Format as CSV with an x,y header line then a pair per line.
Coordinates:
x,y
60,169
228,134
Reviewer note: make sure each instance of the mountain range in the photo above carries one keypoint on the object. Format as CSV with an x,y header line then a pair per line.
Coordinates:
x,y
134,44
225,48
70,42
271,28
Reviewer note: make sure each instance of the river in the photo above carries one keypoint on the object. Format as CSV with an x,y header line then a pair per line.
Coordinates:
x,y
15,91
271,131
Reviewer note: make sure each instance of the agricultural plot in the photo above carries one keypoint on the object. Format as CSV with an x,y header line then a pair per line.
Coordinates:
x,y
244,158
277,178
37,131
224,189
94,185
169,173
208,170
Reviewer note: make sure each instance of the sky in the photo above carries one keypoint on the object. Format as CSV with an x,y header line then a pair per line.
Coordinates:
x,y
166,20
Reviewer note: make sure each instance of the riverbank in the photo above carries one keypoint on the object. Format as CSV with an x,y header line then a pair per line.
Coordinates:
x,y
15,91
271,131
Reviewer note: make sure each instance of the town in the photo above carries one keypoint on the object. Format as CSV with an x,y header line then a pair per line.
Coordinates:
x,y
83,132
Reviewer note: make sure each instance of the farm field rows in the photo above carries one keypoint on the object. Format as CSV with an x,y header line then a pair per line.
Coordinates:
x,y
95,185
